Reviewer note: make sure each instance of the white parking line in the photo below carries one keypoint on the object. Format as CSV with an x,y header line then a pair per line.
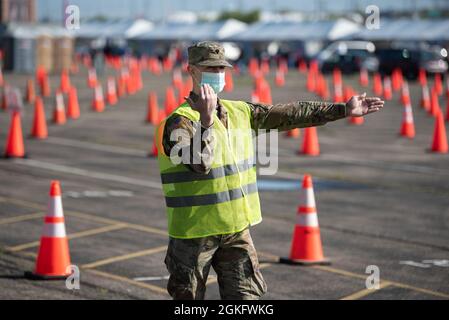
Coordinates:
x,y
87,173
95,146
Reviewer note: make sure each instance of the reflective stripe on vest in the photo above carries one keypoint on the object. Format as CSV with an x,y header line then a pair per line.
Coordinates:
x,y
208,199
215,173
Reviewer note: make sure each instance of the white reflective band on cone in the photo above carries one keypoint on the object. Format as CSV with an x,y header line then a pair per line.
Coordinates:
x,y
54,230
307,198
55,207
308,220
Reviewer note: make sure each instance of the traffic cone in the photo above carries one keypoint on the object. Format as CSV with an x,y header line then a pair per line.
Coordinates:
x,y
92,78
254,97
405,94
306,246
53,259
73,108
434,103
154,151
153,109
14,143
302,66
294,133
387,88
30,92
425,97
408,126
397,79
98,100
357,121
64,85
439,143
377,84
438,85
45,88
39,130
229,81
310,145
422,77
280,79
170,100
59,116
111,94
363,78
311,82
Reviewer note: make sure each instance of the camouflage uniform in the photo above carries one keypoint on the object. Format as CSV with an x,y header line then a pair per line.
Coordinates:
x,y
232,256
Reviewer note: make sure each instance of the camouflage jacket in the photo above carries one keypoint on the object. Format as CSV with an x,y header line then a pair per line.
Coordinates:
x,y
282,116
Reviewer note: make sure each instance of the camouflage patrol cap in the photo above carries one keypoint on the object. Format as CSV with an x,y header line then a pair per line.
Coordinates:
x,y
208,54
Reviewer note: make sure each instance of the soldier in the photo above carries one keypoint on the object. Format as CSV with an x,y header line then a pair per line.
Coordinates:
x,y
211,195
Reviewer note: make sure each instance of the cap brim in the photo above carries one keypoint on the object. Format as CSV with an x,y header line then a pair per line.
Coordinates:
x,y
215,63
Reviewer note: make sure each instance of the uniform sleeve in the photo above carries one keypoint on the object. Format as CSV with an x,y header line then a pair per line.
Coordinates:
x,y
299,114
181,132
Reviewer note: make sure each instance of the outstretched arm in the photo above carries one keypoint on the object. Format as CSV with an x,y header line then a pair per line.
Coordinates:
x,y
301,114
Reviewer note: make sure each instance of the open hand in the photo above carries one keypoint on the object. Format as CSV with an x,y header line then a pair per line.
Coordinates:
x,y
359,106
206,104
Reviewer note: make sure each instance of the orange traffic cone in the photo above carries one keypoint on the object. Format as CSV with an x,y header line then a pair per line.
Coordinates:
x,y
294,133
387,89
310,145
306,246
170,100
92,78
30,92
53,259
59,116
39,130
438,85
422,77
364,79
377,84
229,82
425,97
397,79
98,100
357,121
73,108
434,103
405,94
408,126
64,85
45,88
153,109
14,145
154,151
439,143
311,82
111,94
280,79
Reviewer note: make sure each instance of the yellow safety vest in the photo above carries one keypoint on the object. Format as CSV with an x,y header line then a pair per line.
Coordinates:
x,y
226,199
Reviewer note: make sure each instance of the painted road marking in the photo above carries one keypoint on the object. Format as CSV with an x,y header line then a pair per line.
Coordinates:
x,y
365,292
71,236
151,278
124,257
98,194
87,173
107,275
25,217
95,146
90,217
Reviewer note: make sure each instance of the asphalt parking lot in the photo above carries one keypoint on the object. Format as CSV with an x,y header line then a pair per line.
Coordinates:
x,y
382,200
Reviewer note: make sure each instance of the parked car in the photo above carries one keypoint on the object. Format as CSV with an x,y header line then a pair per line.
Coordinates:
x,y
411,60
349,56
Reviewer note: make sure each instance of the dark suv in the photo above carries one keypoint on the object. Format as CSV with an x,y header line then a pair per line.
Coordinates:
x,y
411,60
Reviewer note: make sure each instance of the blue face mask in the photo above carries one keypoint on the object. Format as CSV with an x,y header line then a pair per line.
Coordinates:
x,y
215,80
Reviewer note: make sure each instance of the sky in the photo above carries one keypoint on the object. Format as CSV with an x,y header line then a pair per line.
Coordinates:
x,y
157,9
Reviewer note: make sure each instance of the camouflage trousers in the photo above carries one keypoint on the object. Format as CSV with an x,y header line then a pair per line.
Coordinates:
x,y
233,258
